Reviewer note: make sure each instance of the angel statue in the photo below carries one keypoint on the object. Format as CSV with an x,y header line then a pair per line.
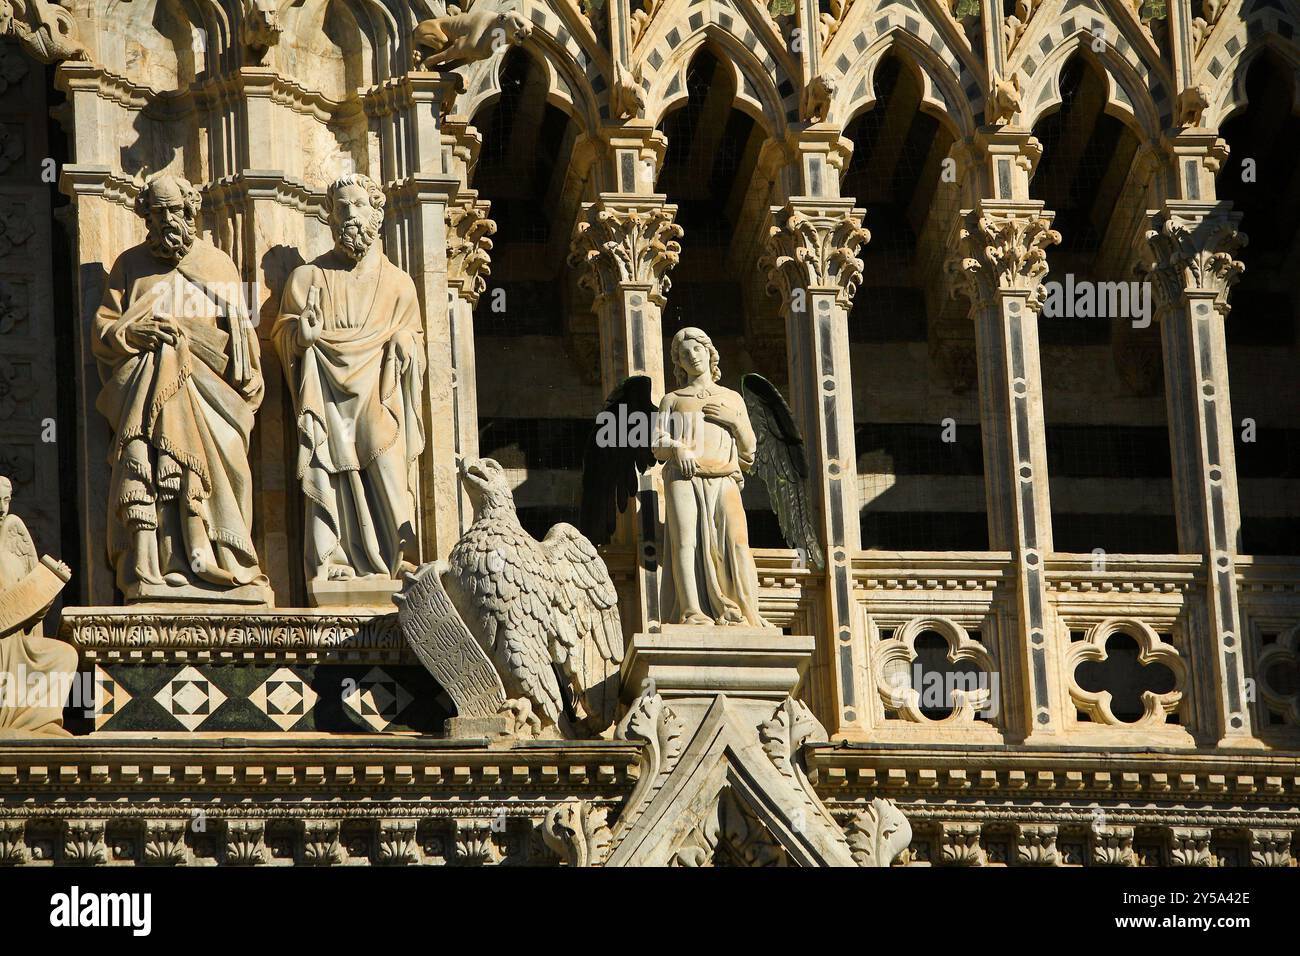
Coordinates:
x,y
707,437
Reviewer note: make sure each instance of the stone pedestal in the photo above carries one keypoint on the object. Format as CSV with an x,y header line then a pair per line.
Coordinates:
x,y
722,774
371,591
689,666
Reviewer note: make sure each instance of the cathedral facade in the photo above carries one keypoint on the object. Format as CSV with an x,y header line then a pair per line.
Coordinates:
x,y
1026,593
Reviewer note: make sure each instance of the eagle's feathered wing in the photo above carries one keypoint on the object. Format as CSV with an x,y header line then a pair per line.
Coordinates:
x,y
541,603
590,648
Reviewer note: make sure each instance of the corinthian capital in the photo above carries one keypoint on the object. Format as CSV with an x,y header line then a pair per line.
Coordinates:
x,y
1193,246
468,245
815,248
1002,250
627,241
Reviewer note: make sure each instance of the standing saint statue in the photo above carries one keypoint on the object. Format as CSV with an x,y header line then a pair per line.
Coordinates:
x,y
182,378
704,437
352,345
36,672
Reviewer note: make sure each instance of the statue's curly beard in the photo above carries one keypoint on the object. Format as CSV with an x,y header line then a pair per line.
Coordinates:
x,y
172,240
356,236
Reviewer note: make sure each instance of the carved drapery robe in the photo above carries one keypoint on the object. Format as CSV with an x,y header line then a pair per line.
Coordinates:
x,y
181,424
725,576
31,665
359,423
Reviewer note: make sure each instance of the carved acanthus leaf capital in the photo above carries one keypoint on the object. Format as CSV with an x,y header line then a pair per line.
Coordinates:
x,y
1002,250
1193,254
627,243
815,249
468,246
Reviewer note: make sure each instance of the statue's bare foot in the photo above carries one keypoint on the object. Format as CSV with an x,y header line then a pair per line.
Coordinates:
x,y
696,618
339,572
175,579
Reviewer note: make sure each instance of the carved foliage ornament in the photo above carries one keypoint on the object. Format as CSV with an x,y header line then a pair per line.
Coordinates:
x,y
627,245
1194,254
1002,252
815,251
578,832
468,248
879,834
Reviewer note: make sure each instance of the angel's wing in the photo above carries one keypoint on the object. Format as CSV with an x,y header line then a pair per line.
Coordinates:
x,y
15,540
782,464
612,462
591,650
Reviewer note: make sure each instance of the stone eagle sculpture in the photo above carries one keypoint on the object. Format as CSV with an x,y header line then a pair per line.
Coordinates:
x,y
544,612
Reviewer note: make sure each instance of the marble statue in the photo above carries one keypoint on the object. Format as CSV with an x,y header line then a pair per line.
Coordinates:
x,y
182,379
351,342
545,612
708,438
35,671
704,437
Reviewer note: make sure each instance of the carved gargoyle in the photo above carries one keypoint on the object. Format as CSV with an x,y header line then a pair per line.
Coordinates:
x,y
815,105
1192,103
260,28
45,30
461,38
1006,100
627,95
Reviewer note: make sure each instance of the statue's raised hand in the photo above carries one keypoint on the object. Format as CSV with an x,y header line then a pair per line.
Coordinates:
x,y
721,414
310,320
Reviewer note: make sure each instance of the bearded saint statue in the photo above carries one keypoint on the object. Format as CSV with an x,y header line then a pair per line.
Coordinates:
x,y
182,379
351,342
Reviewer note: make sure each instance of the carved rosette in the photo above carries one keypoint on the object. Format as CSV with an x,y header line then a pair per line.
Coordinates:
x,y
816,249
468,246
1002,251
1193,255
578,832
626,243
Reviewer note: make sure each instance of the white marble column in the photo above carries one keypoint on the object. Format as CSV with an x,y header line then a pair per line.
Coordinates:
x,y
1193,242
999,264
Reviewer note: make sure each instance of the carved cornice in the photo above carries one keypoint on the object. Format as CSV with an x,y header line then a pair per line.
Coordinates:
x,y
815,247
1002,249
1193,245
468,247
626,241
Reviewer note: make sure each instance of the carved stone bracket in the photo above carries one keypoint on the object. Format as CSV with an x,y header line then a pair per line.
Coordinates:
x,y
1036,845
1002,248
1112,846
1190,847
468,247
960,845
1193,245
815,247
627,241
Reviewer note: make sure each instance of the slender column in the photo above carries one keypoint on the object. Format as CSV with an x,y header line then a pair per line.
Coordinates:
x,y
812,262
626,242
1000,262
468,265
1193,241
